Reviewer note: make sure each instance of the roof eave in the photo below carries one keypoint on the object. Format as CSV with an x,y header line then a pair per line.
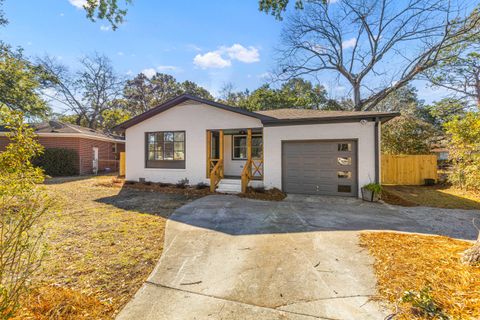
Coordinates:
x,y
334,119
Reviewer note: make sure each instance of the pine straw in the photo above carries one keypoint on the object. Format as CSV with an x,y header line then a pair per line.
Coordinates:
x,y
54,303
412,262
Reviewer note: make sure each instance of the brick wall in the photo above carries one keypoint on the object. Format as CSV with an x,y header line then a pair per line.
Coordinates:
x,y
107,158
84,148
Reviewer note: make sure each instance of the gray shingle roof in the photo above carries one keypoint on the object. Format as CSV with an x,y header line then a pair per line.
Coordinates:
x,y
285,114
54,126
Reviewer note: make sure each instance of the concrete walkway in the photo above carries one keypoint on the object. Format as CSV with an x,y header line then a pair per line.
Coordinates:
x,y
231,258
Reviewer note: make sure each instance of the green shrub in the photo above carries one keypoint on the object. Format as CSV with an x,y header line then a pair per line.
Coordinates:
x,y
58,162
373,187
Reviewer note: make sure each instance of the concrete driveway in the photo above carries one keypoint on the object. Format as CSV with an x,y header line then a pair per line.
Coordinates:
x,y
231,258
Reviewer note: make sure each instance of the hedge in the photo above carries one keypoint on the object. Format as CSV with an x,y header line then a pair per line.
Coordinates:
x,y
58,162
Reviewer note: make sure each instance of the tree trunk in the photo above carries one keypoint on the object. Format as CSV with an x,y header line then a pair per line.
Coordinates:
x,y
472,256
356,97
477,91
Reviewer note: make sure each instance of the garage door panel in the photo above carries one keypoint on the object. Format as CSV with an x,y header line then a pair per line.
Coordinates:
x,y
320,167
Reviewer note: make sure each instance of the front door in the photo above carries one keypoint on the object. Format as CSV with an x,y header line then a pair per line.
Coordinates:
x,y
95,160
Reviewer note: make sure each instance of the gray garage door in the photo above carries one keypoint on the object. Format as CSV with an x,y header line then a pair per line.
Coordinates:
x,y
320,167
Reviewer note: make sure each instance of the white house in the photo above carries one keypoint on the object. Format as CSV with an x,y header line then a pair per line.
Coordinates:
x,y
295,150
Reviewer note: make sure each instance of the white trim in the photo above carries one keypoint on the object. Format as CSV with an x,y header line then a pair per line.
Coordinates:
x,y
72,135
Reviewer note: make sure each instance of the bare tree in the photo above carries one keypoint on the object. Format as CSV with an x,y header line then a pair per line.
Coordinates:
x,y
88,92
460,73
377,46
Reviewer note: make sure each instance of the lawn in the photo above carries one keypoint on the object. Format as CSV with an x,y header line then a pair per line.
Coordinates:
x,y
103,241
406,262
431,196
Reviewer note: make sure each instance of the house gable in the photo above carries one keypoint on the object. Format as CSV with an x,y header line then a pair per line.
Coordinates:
x,y
182,99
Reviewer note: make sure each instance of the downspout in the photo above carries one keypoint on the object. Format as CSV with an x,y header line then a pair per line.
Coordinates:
x,y
377,151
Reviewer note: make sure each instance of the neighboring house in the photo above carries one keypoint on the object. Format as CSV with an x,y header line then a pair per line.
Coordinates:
x,y
440,148
295,150
97,151
442,153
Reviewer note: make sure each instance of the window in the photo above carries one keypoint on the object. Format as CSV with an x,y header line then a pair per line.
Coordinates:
x,y
344,174
344,161
239,147
344,188
165,148
344,147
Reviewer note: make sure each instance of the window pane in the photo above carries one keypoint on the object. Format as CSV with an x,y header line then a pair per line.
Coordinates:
x,y
151,155
344,147
179,136
344,161
179,155
151,137
239,141
159,137
257,152
168,136
344,174
257,141
158,152
168,151
179,146
343,188
239,153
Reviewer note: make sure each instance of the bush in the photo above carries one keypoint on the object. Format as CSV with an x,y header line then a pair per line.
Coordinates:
x,y
58,162
22,204
373,187
464,147
182,184
201,185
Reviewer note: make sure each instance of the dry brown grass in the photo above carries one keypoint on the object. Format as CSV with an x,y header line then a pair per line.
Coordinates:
x,y
431,196
412,262
99,252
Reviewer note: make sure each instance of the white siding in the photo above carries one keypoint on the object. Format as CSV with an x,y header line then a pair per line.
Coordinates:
x,y
364,133
195,119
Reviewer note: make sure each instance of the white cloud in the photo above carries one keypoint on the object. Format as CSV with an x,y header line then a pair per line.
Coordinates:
x,y
149,72
62,14
167,68
193,47
224,56
211,59
120,53
240,53
265,75
105,28
350,43
129,72
78,3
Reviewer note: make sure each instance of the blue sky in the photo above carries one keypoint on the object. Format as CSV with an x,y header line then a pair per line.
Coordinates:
x,y
210,42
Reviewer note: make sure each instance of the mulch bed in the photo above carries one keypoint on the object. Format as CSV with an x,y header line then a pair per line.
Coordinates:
x,y
194,191
410,262
262,194
392,198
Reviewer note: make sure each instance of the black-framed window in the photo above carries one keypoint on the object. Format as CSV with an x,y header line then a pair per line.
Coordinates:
x,y
165,149
239,147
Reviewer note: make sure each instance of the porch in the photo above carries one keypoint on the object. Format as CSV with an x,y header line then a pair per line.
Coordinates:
x,y
235,158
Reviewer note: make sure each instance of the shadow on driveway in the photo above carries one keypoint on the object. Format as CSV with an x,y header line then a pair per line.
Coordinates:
x,y
239,216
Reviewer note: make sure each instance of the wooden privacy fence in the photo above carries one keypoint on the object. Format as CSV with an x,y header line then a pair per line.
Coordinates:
x,y
408,169
122,164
